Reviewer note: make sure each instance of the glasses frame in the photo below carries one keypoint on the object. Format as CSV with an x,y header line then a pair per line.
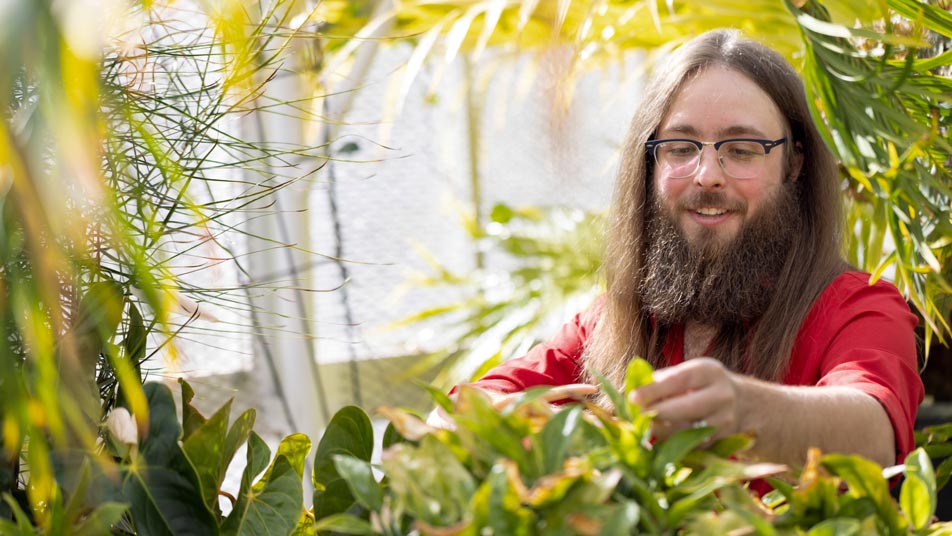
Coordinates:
x,y
651,145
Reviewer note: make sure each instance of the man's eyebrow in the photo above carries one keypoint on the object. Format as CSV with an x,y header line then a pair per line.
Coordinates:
x,y
731,131
742,130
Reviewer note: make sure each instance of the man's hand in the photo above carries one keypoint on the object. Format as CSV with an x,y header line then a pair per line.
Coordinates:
x,y
698,392
785,420
438,418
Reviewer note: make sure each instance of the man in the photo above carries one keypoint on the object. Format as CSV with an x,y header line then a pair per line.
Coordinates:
x,y
724,271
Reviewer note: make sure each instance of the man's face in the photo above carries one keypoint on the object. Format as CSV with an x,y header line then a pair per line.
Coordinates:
x,y
710,207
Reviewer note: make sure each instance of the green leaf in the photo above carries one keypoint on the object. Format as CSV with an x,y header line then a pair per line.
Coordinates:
x,y
344,524
429,482
295,448
350,432
160,483
360,480
622,520
256,460
556,436
131,396
99,521
191,418
498,507
238,434
918,494
273,505
836,527
865,479
671,451
391,437
441,399
22,526
726,447
942,473
618,401
639,374
204,448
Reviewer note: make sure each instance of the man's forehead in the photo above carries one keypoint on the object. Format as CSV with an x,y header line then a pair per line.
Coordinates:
x,y
731,130
721,102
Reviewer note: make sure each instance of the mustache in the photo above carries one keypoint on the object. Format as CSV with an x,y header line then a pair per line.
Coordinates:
x,y
706,198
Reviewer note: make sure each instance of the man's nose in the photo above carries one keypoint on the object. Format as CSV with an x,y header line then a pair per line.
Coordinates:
x,y
709,173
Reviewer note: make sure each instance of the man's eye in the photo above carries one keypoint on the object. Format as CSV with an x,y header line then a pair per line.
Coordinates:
x,y
743,151
681,149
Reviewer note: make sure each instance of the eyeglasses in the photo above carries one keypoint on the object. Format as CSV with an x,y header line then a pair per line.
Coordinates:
x,y
741,158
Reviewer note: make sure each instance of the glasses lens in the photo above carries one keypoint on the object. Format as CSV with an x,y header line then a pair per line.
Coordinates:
x,y
677,158
742,159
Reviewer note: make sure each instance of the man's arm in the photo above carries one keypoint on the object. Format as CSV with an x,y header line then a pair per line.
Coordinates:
x,y
786,420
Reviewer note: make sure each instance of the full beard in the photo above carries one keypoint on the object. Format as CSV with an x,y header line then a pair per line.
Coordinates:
x,y
712,281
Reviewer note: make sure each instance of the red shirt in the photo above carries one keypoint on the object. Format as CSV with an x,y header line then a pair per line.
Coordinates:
x,y
856,335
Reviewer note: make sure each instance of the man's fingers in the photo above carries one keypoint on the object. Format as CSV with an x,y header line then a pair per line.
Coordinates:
x,y
674,381
560,392
572,390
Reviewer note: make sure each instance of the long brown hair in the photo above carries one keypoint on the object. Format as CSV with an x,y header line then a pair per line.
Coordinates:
x,y
625,329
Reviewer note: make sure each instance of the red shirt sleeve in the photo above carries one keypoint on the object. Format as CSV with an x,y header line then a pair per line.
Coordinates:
x,y
554,362
865,340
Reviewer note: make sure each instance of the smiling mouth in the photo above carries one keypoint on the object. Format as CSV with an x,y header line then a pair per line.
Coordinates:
x,y
710,211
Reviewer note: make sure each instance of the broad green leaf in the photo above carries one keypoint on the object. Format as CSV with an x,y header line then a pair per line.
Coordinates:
x,y
556,436
360,480
918,494
22,526
350,432
934,434
439,397
488,434
160,483
257,456
865,479
99,521
695,494
429,482
718,523
272,506
739,500
622,520
836,527
191,418
344,524
204,448
238,434
295,448
501,510
671,451
639,374
76,493
391,436
942,473
726,447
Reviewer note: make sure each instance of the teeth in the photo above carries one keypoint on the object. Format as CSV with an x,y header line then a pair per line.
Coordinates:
x,y
707,211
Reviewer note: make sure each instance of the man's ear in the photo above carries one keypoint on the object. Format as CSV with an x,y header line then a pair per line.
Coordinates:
x,y
796,162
